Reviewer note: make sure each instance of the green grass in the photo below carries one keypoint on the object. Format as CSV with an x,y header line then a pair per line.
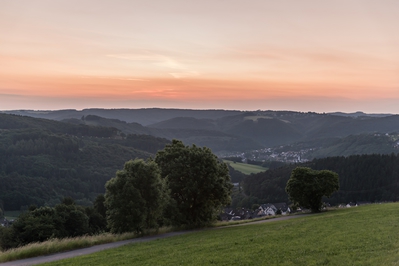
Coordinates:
x,y
246,168
12,214
366,235
256,117
59,245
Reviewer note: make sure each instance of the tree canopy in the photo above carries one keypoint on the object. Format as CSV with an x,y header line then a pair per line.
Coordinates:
x,y
40,224
135,197
306,187
199,183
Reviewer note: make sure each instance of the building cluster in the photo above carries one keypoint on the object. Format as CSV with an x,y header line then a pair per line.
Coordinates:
x,y
272,154
5,222
269,209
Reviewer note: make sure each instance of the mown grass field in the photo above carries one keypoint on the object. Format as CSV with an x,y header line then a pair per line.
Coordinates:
x,y
246,168
366,235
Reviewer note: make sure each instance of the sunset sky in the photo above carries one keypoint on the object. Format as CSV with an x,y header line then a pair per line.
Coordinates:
x,y
307,55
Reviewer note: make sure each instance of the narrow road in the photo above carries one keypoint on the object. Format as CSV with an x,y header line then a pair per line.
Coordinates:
x,y
89,250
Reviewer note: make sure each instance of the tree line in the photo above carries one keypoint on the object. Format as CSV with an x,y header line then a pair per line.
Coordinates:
x,y
66,219
182,186
363,178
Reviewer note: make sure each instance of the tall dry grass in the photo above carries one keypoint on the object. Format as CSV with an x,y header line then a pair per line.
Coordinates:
x,y
59,245
66,244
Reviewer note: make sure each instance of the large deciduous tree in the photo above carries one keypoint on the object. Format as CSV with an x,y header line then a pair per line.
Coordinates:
x,y
135,197
199,184
306,187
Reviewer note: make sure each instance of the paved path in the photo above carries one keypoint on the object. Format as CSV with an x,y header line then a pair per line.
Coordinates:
x,y
89,250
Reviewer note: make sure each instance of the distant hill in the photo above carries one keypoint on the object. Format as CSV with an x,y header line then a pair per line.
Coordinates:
x,y
358,144
187,129
93,120
144,117
357,114
186,123
217,141
233,131
268,132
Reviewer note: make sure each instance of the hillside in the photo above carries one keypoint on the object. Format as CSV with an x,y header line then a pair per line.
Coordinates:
x,y
329,135
187,129
327,147
365,235
227,132
97,121
186,123
371,178
358,144
76,158
42,161
258,135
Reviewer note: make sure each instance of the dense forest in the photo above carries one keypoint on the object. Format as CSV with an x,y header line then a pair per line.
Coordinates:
x,y
363,178
44,161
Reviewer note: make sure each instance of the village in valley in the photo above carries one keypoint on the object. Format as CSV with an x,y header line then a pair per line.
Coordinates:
x,y
272,209
268,209
276,154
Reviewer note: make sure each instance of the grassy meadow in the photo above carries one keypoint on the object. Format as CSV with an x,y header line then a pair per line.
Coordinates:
x,y
246,168
365,235
12,214
66,244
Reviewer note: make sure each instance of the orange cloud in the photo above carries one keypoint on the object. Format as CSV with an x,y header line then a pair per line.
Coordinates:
x,y
189,89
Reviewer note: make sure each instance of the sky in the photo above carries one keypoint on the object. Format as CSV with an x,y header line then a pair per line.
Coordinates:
x,y
308,55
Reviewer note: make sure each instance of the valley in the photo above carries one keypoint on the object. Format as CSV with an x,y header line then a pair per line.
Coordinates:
x,y
73,153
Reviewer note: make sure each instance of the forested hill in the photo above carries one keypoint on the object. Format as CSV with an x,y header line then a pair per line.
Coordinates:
x,y
372,178
189,130
43,161
228,132
145,116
